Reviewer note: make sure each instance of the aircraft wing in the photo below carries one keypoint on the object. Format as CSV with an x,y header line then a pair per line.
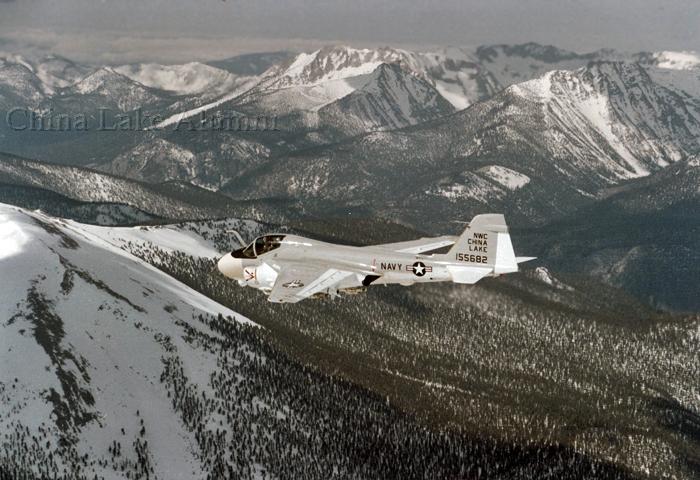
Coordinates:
x,y
421,245
295,283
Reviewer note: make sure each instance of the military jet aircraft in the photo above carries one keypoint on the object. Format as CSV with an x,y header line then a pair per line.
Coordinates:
x,y
291,268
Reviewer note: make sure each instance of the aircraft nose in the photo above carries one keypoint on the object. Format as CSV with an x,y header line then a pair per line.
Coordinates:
x,y
231,267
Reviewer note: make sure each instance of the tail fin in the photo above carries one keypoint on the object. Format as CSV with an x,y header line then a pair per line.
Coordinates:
x,y
485,244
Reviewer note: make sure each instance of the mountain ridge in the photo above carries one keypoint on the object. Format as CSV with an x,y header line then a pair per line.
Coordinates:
x,y
134,374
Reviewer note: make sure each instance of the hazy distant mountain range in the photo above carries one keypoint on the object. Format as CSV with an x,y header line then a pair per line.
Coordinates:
x,y
334,93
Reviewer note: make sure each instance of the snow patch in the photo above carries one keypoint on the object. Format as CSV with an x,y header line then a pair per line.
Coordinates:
x,y
179,117
510,179
684,60
473,187
12,237
542,274
597,111
18,59
168,238
94,82
301,62
188,79
458,99
537,88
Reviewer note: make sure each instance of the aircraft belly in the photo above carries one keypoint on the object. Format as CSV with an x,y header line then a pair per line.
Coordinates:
x,y
412,275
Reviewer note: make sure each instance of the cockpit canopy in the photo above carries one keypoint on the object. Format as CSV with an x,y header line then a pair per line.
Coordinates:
x,y
259,246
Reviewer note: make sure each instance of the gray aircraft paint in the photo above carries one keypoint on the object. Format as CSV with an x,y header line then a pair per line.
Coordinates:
x,y
292,268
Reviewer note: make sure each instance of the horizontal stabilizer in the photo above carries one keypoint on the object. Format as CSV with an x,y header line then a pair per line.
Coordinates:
x,y
524,259
468,275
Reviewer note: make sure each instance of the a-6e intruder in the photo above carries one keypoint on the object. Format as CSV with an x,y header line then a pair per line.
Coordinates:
x,y
291,268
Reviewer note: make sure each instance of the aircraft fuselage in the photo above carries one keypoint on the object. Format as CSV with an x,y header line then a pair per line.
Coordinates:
x,y
292,267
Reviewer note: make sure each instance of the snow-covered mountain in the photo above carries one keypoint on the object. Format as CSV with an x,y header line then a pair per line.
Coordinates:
x,y
49,72
82,189
325,96
560,139
462,76
624,123
389,100
157,159
187,79
338,92
59,72
326,65
456,73
113,369
87,331
549,118
672,60
168,201
106,88
310,111
19,85
309,81
57,83
453,72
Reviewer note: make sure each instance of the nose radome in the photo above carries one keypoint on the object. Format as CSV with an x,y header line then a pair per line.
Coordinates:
x,y
231,267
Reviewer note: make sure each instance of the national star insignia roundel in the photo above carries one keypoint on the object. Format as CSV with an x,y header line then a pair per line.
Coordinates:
x,y
419,269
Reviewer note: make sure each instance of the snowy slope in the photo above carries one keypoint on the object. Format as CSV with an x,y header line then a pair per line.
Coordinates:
x,y
175,118
197,239
328,74
19,84
390,99
673,60
205,87
53,71
112,370
85,327
158,157
158,160
27,82
92,186
563,137
456,74
505,176
326,65
58,72
617,113
107,88
187,79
